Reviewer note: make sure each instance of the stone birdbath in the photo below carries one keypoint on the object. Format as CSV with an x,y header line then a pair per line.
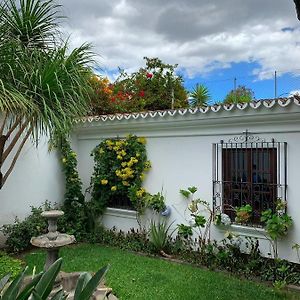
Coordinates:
x,y
53,240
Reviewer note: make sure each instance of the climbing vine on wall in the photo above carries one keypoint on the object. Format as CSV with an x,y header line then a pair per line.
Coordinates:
x,y
119,170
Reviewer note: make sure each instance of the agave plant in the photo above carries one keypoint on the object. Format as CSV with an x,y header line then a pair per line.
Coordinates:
x,y
159,235
42,284
199,96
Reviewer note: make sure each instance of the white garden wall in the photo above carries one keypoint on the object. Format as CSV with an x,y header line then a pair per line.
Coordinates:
x,y
37,177
179,145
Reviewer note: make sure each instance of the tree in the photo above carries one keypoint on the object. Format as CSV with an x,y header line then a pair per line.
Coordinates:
x,y
43,85
297,4
199,96
153,87
239,95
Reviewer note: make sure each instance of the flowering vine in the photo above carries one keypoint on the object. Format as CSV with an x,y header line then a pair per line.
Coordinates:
x,y
119,171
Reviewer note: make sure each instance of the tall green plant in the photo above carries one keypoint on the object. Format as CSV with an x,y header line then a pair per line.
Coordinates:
x,y
159,235
43,85
199,96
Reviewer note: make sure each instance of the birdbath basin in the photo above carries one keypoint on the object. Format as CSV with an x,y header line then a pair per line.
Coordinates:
x,y
53,240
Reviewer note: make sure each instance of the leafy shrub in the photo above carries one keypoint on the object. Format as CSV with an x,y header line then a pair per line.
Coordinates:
x,y
240,95
154,87
133,240
9,265
20,232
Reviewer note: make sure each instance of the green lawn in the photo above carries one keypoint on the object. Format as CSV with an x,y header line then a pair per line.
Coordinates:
x,y
137,277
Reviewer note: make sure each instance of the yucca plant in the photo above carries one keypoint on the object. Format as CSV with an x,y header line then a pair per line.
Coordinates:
x,y
159,235
199,96
43,85
41,285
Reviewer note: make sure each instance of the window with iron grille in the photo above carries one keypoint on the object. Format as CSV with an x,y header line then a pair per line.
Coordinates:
x,y
249,170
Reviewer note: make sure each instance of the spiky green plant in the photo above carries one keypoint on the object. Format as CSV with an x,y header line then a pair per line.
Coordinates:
x,y
199,96
43,85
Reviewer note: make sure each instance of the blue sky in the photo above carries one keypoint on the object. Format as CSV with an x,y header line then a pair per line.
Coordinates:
x,y
221,81
212,41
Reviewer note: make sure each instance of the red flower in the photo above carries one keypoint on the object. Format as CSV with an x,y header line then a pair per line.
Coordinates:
x,y
113,99
142,94
149,75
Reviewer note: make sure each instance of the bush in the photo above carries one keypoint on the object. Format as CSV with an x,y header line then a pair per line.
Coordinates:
x,y
20,232
9,265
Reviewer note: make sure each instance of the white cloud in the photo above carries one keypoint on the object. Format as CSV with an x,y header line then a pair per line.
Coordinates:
x,y
198,35
295,92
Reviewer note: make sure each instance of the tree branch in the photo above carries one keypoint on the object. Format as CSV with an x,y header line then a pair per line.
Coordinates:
x,y
16,156
13,127
14,141
3,124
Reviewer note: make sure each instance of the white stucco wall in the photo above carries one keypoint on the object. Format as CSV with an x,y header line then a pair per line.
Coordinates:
x,y
180,150
37,177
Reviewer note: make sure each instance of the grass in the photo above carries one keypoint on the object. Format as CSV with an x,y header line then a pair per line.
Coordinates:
x,y
137,277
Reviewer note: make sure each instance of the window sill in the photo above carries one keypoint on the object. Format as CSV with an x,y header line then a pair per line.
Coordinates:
x,y
120,213
241,230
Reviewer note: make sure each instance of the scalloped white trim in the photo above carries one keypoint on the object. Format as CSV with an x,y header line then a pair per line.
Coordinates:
x,y
183,111
204,109
255,105
228,107
215,108
269,103
242,106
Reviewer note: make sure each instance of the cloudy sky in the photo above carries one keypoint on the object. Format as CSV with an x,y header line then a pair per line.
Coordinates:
x,y
212,41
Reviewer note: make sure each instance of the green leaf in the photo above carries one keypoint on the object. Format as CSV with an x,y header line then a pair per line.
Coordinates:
x,y
81,283
13,290
45,285
192,189
200,221
92,284
27,290
36,296
4,281
185,193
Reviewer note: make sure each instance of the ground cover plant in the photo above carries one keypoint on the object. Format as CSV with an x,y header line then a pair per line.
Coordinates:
x,y
134,276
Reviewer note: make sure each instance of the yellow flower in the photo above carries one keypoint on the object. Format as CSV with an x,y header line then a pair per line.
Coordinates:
x,y
123,152
119,143
113,188
73,154
140,192
141,140
137,154
124,164
125,183
147,165
101,151
104,181
142,176
120,157
64,160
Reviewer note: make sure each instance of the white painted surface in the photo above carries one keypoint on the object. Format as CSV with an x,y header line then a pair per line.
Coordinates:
x,y
180,150
37,177
179,146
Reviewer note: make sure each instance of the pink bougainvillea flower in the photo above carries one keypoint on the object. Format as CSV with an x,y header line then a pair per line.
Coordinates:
x,y
142,94
149,75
